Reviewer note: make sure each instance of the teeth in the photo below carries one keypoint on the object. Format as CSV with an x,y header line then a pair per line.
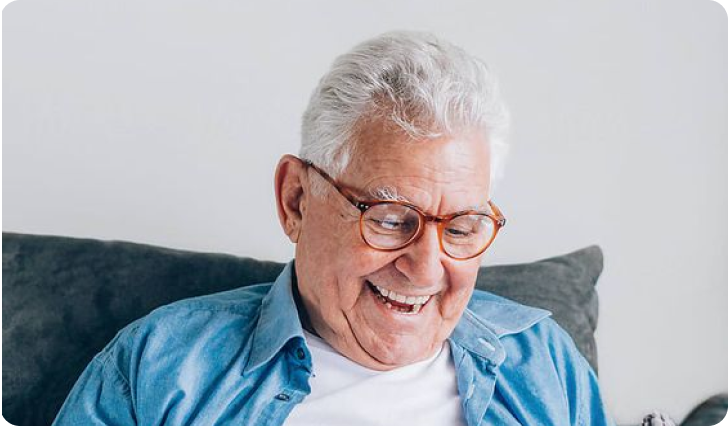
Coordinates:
x,y
409,300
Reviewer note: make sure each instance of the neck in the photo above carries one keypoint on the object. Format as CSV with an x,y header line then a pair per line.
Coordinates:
x,y
302,313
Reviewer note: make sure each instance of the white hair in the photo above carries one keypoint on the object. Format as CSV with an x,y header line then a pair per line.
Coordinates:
x,y
424,85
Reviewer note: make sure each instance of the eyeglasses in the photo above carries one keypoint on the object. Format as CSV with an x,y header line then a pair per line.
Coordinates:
x,y
393,225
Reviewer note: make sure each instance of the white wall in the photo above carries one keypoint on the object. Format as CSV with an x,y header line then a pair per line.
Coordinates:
x,y
161,121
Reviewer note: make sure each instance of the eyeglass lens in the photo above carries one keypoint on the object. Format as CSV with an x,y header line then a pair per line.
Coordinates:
x,y
392,226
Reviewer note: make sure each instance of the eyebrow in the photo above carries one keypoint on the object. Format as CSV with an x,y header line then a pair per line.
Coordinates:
x,y
389,193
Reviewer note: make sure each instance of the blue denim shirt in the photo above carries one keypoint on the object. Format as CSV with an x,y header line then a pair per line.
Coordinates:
x,y
240,357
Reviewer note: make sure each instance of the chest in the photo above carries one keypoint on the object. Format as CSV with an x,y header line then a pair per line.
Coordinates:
x,y
343,392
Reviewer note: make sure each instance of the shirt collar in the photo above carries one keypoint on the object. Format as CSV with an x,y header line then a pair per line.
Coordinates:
x,y
278,322
488,318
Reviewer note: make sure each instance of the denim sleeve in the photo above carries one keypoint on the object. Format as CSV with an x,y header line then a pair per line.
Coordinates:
x,y
592,411
545,380
102,395
580,382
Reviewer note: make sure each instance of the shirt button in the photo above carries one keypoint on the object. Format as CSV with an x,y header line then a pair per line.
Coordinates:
x,y
283,397
300,354
471,391
489,346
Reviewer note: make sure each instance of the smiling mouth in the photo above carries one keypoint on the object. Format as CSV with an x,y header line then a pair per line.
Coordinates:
x,y
409,305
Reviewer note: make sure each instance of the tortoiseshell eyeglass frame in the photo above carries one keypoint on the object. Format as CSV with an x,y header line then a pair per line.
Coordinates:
x,y
496,216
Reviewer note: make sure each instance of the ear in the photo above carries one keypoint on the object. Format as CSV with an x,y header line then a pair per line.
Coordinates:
x,y
290,181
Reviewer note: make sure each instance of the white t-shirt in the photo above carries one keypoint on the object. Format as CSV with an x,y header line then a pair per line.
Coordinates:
x,y
346,393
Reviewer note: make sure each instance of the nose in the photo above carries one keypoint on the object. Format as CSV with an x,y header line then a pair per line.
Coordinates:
x,y
421,261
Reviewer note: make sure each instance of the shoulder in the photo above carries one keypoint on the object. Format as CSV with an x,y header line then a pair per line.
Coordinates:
x,y
228,316
238,305
242,301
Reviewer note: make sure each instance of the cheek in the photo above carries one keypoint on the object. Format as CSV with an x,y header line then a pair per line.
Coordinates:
x,y
325,239
456,298
341,267
454,302
357,263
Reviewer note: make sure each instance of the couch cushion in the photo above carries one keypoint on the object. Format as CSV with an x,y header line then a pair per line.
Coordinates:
x,y
65,298
708,413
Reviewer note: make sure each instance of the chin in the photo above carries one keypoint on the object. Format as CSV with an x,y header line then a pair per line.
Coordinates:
x,y
402,352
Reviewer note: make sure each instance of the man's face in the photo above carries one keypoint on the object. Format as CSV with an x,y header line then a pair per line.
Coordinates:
x,y
337,271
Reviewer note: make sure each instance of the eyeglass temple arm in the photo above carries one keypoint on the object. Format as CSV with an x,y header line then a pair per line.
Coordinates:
x,y
499,216
346,194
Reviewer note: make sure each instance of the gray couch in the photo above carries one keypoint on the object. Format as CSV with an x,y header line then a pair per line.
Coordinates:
x,y
65,298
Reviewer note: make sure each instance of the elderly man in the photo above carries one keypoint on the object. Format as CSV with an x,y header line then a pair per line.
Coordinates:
x,y
376,322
